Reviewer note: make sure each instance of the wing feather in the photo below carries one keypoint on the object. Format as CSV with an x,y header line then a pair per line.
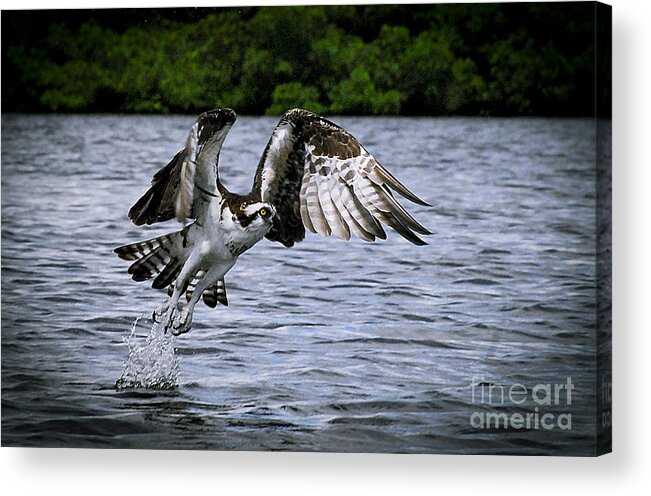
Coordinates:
x,y
349,212
185,196
305,215
361,215
387,178
157,204
190,181
375,204
330,211
381,198
344,221
320,178
399,211
314,209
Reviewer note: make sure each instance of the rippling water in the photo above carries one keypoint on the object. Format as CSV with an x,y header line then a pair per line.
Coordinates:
x,y
327,346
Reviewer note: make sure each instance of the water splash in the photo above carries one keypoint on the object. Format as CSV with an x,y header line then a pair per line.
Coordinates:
x,y
151,362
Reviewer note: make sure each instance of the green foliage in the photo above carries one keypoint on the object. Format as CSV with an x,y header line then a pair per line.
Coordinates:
x,y
359,95
291,95
446,59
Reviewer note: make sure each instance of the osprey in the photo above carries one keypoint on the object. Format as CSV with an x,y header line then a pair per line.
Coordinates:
x,y
312,175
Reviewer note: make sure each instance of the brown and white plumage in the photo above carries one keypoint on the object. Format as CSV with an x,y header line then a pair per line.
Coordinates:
x,y
182,189
313,175
320,178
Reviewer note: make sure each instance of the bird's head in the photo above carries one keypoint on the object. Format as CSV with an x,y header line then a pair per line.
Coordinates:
x,y
256,217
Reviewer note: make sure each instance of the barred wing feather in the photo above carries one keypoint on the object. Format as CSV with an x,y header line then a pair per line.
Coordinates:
x,y
158,204
320,178
188,183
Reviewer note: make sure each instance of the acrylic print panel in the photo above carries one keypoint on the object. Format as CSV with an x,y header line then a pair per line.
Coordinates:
x,y
492,338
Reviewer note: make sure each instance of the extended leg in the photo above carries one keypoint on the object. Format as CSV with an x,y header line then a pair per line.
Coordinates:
x,y
183,320
173,308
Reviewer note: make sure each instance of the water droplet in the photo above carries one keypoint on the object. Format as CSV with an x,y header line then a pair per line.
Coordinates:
x,y
152,362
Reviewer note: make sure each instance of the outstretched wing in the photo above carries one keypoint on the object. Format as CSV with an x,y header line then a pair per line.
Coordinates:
x,y
319,177
184,187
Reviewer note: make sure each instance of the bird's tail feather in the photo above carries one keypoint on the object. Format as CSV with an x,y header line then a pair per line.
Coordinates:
x,y
164,256
212,295
216,294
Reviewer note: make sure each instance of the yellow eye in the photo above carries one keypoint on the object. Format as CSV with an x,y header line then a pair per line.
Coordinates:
x,y
263,212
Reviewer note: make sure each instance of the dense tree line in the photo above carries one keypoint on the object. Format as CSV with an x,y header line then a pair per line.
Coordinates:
x,y
464,59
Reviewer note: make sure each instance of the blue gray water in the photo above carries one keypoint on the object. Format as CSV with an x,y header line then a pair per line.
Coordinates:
x,y
328,346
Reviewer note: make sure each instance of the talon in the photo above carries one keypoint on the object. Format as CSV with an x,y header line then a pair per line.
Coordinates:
x,y
181,324
169,313
181,329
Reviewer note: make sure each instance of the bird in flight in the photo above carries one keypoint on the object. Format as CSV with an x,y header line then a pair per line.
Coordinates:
x,y
312,175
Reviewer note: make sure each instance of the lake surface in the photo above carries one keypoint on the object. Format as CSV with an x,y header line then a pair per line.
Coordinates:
x,y
328,346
